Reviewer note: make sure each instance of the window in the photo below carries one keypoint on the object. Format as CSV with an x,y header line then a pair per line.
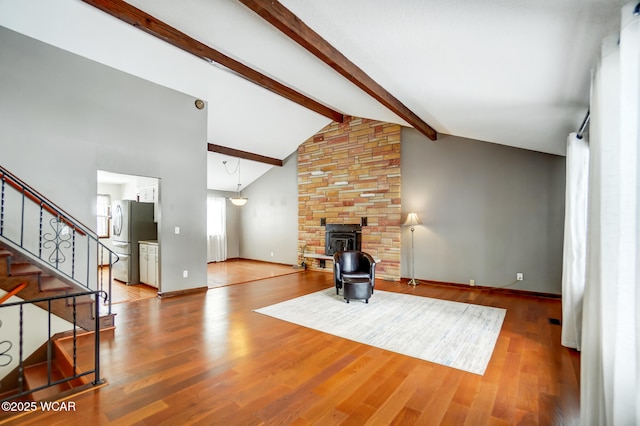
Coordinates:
x,y
216,229
104,215
216,217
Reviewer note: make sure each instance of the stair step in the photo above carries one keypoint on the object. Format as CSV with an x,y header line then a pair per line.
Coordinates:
x,y
24,269
5,253
64,361
108,321
50,283
85,352
9,393
80,300
36,375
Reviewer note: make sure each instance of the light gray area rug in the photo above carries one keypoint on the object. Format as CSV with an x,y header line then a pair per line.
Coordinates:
x,y
458,335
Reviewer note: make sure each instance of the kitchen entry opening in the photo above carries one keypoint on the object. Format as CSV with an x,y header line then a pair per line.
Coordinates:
x,y
132,221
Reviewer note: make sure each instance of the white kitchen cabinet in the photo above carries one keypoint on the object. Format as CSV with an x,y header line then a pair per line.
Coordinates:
x,y
149,194
149,263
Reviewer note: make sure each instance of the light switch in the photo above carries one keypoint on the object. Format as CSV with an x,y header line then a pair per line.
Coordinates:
x,y
177,230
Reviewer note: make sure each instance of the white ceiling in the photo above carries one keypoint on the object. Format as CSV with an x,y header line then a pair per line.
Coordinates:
x,y
504,71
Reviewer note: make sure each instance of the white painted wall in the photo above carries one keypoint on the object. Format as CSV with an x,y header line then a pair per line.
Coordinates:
x,y
63,117
112,189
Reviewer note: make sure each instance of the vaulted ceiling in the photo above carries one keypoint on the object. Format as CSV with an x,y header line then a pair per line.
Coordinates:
x,y
508,72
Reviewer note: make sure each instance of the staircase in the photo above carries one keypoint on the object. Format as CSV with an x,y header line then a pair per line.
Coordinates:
x,y
72,356
15,270
52,262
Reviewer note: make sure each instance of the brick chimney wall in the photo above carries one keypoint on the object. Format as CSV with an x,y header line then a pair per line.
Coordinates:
x,y
366,154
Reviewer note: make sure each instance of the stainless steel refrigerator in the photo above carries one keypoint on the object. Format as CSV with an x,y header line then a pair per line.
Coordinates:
x,y
131,222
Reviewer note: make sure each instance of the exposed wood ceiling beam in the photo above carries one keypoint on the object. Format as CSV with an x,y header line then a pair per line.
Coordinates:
x,y
244,154
165,32
283,19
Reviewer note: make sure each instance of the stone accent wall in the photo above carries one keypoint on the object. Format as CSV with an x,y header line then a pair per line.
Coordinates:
x,y
366,154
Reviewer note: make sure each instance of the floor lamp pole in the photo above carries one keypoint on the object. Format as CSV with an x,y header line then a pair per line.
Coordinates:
x,y
413,262
412,220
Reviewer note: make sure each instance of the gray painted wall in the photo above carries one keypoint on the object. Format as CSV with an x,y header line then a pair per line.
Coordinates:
x,y
233,230
269,220
63,117
488,212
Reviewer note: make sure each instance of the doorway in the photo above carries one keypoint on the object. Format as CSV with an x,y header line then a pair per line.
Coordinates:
x,y
134,201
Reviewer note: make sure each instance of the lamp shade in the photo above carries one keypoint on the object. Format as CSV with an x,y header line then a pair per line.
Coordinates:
x,y
412,219
239,201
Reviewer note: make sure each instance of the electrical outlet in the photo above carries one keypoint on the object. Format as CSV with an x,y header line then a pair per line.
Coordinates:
x,y
185,274
472,282
271,254
519,276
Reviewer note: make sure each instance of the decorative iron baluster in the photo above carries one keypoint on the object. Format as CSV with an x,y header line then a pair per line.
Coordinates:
x,y
75,336
111,262
22,221
20,347
57,241
97,379
73,254
49,351
40,231
5,347
2,207
99,264
100,277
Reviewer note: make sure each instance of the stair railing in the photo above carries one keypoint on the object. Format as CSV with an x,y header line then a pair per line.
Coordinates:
x,y
14,317
43,231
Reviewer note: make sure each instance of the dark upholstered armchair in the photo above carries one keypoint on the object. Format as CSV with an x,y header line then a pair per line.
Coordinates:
x,y
353,264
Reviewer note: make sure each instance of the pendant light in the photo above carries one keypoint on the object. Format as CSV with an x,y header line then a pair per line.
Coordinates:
x,y
238,200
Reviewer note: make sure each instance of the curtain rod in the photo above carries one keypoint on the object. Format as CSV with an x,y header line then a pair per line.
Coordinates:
x,y
585,122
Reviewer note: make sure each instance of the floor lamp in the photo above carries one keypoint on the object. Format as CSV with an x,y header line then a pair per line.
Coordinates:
x,y
412,221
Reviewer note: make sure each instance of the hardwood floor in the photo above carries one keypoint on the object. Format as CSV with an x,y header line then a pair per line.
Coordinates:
x,y
238,271
120,292
209,359
219,274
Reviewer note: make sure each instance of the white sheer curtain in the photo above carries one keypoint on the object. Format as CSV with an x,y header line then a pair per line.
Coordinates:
x,y
575,240
216,229
610,376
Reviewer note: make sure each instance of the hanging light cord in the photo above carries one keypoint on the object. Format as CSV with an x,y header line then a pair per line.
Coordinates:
x,y
236,169
233,172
